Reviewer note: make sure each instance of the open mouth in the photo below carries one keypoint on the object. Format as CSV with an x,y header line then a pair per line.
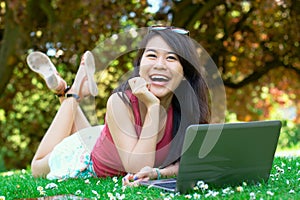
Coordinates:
x,y
159,78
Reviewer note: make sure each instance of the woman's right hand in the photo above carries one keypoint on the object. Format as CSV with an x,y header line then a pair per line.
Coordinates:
x,y
140,89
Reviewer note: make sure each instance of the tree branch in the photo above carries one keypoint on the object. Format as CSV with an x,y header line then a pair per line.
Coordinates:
x,y
258,74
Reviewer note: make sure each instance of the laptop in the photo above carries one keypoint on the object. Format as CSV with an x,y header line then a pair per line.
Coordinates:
x,y
224,155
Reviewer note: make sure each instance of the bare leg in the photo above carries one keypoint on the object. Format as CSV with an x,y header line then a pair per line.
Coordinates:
x,y
59,129
68,119
80,121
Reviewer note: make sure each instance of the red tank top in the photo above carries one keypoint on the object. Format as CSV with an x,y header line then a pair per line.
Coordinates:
x,y
105,157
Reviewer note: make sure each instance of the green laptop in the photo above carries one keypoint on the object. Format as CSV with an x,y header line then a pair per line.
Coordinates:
x,y
224,155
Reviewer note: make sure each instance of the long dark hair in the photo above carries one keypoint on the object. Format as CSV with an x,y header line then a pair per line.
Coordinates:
x,y
191,99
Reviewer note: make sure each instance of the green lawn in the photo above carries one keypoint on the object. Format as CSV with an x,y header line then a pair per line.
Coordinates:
x,y
283,184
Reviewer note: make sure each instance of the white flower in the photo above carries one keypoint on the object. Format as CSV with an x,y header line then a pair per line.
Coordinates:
x,y
270,193
9,173
162,194
115,179
252,196
120,196
202,185
96,193
240,189
292,191
188,196
226,190
111,196
287,182
42,192
22,177
199,183
196,196
39,188
78,192
196,188
211,193
87,181
214,194
98,182
51,186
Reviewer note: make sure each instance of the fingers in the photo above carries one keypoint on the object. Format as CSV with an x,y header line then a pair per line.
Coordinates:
x,y
143,175
130,180
138,84
134,180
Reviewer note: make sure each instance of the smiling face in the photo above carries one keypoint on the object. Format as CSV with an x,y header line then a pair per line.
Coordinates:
x,y
160,67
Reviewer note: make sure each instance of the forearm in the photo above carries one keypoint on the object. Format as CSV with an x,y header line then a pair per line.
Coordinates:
x,y
148,172
169,171
143,153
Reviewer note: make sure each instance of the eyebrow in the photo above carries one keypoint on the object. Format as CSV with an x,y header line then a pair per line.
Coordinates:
x,y
170,52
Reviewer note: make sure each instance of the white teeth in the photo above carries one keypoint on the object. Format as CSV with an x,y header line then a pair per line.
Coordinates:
x,y
159,77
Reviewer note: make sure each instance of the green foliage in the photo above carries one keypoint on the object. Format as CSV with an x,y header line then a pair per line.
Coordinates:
x,y
283,184
289,133
289,136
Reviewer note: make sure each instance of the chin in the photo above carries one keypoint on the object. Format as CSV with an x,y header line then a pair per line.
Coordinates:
x,y
160,93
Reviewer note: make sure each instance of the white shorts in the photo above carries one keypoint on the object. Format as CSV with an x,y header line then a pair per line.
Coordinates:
x,y
71,157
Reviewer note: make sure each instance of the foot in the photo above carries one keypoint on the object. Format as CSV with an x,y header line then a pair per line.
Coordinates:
x,y
41,64
84,83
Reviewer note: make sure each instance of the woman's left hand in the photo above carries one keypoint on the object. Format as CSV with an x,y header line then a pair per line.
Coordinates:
x,y
144,174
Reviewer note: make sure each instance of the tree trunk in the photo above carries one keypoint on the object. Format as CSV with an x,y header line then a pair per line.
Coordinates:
x,y
8,60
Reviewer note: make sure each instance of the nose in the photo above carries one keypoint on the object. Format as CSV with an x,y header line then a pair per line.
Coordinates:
x,y
160,63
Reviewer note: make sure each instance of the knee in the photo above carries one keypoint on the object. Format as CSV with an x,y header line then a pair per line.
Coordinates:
x,y
38,169
34,169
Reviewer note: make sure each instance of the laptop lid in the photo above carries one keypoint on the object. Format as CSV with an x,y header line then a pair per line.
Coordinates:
x,y
227,154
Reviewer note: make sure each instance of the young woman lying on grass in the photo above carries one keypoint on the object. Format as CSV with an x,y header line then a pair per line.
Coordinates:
x,y
146,115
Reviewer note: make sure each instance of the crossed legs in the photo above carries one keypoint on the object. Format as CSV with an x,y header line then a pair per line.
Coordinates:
x,y
69,117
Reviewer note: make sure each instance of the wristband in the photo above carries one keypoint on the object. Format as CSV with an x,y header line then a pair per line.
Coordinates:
x,y
158,173
72,95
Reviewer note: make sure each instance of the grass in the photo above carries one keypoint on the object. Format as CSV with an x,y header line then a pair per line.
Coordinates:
x,y
283,184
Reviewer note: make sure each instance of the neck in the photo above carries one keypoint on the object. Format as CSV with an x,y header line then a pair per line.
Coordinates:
x,y
166,101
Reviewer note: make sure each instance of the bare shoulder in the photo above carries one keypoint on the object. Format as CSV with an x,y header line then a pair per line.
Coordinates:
x,y
119,114
115,99
118,106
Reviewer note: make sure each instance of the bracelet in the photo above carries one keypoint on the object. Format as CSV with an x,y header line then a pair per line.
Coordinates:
x,y
158,173
72,95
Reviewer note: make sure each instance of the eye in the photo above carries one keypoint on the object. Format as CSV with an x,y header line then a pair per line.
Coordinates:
x,y
151,55
172,58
